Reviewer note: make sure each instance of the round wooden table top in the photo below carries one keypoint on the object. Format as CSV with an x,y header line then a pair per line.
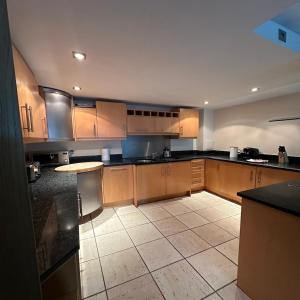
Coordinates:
x,y
80,167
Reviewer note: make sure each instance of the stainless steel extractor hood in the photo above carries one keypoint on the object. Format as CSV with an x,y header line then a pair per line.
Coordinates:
x,y
59,114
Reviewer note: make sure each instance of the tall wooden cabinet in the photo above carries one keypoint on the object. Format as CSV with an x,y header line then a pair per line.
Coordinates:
x,y
111,119
85,123
31,105
188,123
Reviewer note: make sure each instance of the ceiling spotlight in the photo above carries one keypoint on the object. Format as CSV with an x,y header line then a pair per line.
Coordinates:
x,y
79,55
76,88
255,89
206,102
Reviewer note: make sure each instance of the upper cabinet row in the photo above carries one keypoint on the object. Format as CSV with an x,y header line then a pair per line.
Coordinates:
x,y
31,105
114,121
108,120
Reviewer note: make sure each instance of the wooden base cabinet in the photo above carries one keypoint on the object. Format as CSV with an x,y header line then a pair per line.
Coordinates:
x,y
118,185
268,176
227,179
157,181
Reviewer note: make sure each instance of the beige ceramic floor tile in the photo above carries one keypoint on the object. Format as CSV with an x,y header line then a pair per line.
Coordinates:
x,y
158,254
232,292
86,231
133,219
188,243
144,233
215,268
229,209
155,213
105,226
213,234
108,212
143,288
180,281
88,250
122,266
231,224
193,203
101,296
113,242
192,220
176,209
124,210
91,278
170,226
230,249
212,214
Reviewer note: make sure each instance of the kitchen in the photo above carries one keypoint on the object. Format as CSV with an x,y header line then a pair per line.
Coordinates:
x,y
137,135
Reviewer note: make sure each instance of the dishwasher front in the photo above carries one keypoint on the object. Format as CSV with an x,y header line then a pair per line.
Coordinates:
x,y
89,186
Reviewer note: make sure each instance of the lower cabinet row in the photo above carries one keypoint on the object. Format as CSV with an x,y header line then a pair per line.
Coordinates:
x,y
121,185
137,184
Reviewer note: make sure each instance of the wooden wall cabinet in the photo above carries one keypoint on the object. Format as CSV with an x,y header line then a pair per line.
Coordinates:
x,y
140,125
268,176
85,123
162,180
111,120
118,184
198,175
32,107
188,123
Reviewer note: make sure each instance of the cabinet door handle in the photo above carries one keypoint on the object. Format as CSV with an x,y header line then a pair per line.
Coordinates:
x,y
31,129
259,177
181,129
162,171
118,169
27,127
79,204
95,130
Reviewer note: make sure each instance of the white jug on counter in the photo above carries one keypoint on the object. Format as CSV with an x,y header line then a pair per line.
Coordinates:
x,y
105,155
234,151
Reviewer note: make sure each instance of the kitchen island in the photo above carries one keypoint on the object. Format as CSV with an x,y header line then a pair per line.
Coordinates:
x,y
269,262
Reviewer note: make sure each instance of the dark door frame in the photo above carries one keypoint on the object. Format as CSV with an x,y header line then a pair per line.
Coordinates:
x,y
19,274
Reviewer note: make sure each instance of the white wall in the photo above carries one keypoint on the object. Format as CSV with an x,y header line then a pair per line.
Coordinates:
x,y
247,125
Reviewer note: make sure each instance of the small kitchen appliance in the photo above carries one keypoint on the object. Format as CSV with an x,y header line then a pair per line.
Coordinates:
x,y
166,152
105,154
250,153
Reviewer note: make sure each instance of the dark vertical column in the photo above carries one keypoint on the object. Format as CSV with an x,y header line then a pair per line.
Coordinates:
x,y
18,268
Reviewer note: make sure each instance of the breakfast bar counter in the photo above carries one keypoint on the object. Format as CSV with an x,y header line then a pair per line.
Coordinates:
x,y
269,263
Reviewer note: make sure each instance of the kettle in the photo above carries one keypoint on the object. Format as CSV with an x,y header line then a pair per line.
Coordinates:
x,y
166,152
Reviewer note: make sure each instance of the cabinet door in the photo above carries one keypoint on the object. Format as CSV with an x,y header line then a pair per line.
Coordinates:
x,y
118,184
162,124
111,119
85,121
150,181
31,105
179,177
212,176
236,178
174,125
140,125
268,176
189,123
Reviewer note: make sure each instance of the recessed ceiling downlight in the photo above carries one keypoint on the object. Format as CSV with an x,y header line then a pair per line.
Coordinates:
x,y
76,88
206,102
79,55
255,89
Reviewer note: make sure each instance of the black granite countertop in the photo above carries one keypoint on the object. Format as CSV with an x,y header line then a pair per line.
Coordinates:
x,y
55,219
117,160
282,196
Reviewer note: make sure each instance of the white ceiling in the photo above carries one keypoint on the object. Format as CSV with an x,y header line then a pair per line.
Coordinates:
x,y
178,52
